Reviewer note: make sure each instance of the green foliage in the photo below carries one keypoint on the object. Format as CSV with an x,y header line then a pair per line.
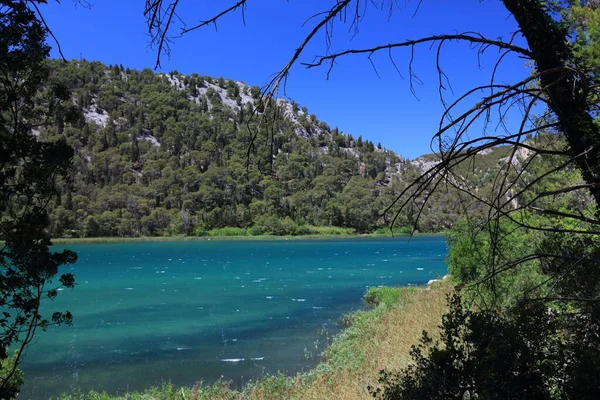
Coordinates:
x,y
200,229
482,354
227,231
9,369
272,225
166,391
154,163
527,270
29,168
385,295
324,230
150,162
476,255
276,386
583,18
528,327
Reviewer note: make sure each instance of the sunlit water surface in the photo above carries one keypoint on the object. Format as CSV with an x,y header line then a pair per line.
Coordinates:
x,y
183,312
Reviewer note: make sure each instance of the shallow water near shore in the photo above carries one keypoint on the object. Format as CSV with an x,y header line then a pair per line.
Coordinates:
x,y
184,312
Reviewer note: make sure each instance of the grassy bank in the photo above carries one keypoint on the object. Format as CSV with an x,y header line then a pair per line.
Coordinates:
x,y
216,236
192,238
379,338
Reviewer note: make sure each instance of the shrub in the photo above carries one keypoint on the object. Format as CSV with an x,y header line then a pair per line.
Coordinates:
x,y
227,231
201,229
256,230
481,355
16,380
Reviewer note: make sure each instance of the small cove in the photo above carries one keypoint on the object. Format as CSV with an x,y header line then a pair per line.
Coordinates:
x,y
195,311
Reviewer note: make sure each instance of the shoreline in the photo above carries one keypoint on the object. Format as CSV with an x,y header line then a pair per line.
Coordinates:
x,y
370,341
149,239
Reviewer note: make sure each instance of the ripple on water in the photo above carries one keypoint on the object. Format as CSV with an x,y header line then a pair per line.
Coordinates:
x,y
197,310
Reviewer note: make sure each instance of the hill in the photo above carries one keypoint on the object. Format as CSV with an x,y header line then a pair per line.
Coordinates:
x,y
163,154
171,154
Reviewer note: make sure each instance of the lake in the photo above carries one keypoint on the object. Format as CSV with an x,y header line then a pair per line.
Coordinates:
x,y
184,312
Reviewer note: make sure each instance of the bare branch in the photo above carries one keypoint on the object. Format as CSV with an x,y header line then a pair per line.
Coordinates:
x,y
162,37
41,16
409,43
213,20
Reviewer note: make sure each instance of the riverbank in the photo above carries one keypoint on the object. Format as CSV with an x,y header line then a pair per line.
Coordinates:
x,y
145,239
375,339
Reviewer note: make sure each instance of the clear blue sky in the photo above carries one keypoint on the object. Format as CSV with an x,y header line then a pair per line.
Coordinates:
x,y
354,99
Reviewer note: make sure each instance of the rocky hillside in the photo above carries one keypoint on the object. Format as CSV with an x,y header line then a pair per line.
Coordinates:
x,y
164,154
169,153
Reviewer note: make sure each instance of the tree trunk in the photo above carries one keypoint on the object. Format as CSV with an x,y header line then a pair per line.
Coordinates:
x,y
565,86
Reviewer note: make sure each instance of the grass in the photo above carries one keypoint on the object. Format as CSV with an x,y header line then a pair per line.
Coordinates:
x,y
396,231
240,234
376,339
192,238
385,295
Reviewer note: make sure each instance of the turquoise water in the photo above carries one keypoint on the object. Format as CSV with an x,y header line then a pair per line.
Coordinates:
x,y
195,311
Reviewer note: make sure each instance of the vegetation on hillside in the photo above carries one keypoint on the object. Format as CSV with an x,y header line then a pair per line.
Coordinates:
x,y
169,154
164,155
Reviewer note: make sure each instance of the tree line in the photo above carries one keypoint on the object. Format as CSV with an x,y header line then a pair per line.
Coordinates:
x,y
170,154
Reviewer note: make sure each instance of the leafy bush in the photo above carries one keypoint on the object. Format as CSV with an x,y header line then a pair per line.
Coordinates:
x,y
227,231
15,382
201,229
256,230
474,256
304,230
327,230
481,355
272,225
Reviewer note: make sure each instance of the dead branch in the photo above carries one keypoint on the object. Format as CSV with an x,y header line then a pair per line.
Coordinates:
x,y
410,43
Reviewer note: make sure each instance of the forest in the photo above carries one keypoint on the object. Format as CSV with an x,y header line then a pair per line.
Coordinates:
x,y
169,154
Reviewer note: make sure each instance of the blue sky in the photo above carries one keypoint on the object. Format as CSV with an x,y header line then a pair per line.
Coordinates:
x,y
355,99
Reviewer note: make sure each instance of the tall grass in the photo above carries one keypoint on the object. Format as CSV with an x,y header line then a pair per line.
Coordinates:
x,y
379,338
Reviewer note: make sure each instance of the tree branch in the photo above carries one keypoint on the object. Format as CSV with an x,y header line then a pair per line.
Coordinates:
x,y
409,43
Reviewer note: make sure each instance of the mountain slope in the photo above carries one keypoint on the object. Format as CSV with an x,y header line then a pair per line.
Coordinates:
x,y
165,154
168,154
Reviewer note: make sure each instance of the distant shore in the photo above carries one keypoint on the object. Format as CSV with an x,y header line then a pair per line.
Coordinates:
x,y
144,239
